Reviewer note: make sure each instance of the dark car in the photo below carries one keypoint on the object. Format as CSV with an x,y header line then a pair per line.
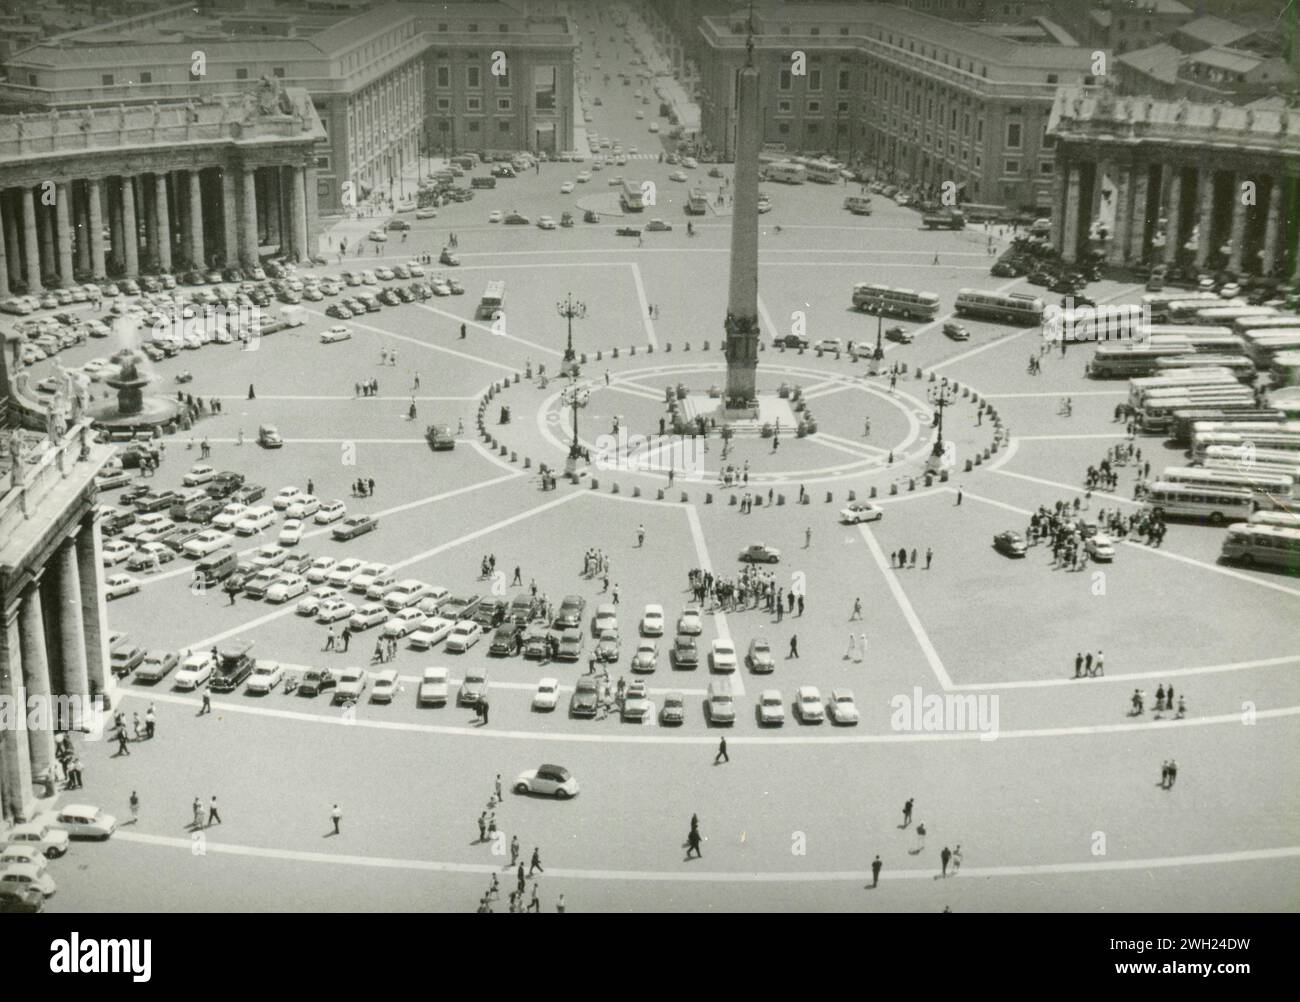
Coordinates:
x,y
235,582
507,639
397,224
503,170
523,608
535,642
570,613
249,493
490,612
21,899
151,502
355,525
234,665
585,700
389,297
317,680
686,653
458,607
404,294
116,522
1012,544
133,494
205,511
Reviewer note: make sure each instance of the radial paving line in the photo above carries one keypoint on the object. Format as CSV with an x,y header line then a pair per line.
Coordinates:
x,y
422,344
1225,571
848,443
488,329
1058,394
645,304
1124,678
349,396
1068,438
211,845
570,737
1065,487
719,617
396,565
996,342
900,596
766,317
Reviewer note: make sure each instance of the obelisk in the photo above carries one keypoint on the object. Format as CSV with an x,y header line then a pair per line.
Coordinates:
x,y
741,345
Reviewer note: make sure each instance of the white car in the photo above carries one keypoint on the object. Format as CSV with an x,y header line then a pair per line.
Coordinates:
x,y
829,344
861,511
724,655
405,594
464,635
606,618
288,587
808,705
548,780
290,532
255,519
229,515
320,569
678,175
367,576
195,669
433,687
384,274
583,176
405,622
120,585
330,511
646,658
1100,547
771,708
566,188
16,875
208,541
385,685
82,821
197,475
336,333
269,557
378,236
333,609
313,600
286,497
547,695
370,614
690,622
115,551
652,621
343,572
51,841
302,506
545,223
841,708
266,676
494,216
431,631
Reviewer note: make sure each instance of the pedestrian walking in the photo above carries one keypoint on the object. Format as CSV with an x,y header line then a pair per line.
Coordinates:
x,y
214,816
482,828
959,496
929,556
853,646
536,862
956,859
875,871
150,721
336,815
913,563
197,808
122,744
496,789
907,812
514,849
135,807
857,609
1173,773
807,535
722,755
535,905
794,647
693,844
945,858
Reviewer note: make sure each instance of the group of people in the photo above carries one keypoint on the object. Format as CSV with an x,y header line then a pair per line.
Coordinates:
x,y
363,487
1164,703
69,762
753,587
900,559
367,387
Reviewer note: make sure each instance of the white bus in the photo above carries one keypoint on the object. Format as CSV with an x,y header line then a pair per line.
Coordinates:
x,y
1285,368
1184,310
1274,491
1013,308
1210,376
1265,441
1111,361
871,296
785,172
1239,365
1159,412
1111,323
1267,545
1214,504
1160,302
1230,314
822,172
1201,338
1236,457
493,301
1284,518
1262,346
1247,325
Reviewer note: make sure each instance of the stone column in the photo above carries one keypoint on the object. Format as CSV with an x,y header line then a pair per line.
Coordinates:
x,y
248,251
1205,193
1137,244
95,213
1119,236
196,222
1173,215
164,223
1271,226
1058,208
36,674
30,245
313,210
1237,232
1070,245
72,638
63,219
94,614
4,257
16,797
81,227
298,213
130,232
45,223
229,217
11,236
149,208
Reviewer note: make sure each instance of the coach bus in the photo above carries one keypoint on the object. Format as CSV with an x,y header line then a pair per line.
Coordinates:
x,y
1272,443
1127,360
1237,457
981,213
1013,308
822,172
1203,418
1202,338
1183,311
630,196
1262,346
493,301
869,297
1157,413
1214,504
697,202
1268,545
1159,303
1230,314
786,172
1239,365
1284,369
1274,491
1248,325
1290,519
1113,323
1209,376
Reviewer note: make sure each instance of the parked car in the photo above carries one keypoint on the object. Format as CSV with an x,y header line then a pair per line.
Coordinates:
x,y
547,780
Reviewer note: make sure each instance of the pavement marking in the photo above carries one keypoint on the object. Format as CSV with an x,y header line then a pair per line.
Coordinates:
x,y
396,565
909,614
1057,394
719,617
1125,678
687,875
423,344
996,342
1013,446
990,501
767,318
349,396
1066,438
627,386
832,737
1216,568
486,328
1065,487
877,450
645,304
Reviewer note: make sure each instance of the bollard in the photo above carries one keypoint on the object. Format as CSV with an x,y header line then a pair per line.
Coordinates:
x,y
758,500
873,492
616,353
668,346
632,349
893,488
528,463
706,346
801,349
661,493
929,480
853,495
968,466
806,498
902,368
599,355
911,483
649,349
614,489
943,476
731,500
978,459
932,377
684,497
780,499
994,448
828,497
584,358
686,346
503,450
636,492
965,391
595,484
986,453
974,398
890,461
762,346
513,458
516,377
919,373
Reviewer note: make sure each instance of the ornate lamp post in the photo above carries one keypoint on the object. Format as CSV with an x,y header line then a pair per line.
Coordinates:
x,y
574,397
941,395
879,311
569,309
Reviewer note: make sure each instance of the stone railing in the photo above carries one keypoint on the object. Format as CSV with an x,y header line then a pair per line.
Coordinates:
x,y
27,485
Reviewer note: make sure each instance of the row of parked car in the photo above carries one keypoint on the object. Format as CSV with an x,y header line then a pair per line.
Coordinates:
x,y
27,849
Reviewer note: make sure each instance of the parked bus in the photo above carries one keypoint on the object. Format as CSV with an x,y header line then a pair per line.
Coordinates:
x,y
1236,457
493,301
1013,308
1239,365
1128,360
1157,413
1284,518
1274,491
697,202
629,196
980,213
1248,325
1201,338
1159,303
786,172
822,172
1209,376
1229,314
1267,442
1184,310
1116,323
1198,417
1262,346
1284,369
870,296
1214,504
1266,545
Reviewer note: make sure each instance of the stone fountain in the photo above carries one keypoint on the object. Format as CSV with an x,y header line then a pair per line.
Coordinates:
x,y
133,409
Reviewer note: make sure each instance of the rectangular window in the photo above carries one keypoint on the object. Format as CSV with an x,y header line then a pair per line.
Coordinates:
x,y
545,87
813,129
443,103
106,80
842,106
1013,135
241,72
444,76
322,161
503,125
783,128
471,27
979,131
814,79
1052,78
814,107
442,25
31,80
147,77
783,80
504,104
1049,140
1046,166
1011,167
783,107
473,104
503,28
277,71
844,79
473,77
474,124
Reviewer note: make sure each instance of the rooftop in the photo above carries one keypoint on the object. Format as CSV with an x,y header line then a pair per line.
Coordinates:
x,y
1158,61
1233,60
1215,31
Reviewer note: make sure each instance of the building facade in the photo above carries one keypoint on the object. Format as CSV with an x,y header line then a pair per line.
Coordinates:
x,y
923,98
1210,186
54,656
111,192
